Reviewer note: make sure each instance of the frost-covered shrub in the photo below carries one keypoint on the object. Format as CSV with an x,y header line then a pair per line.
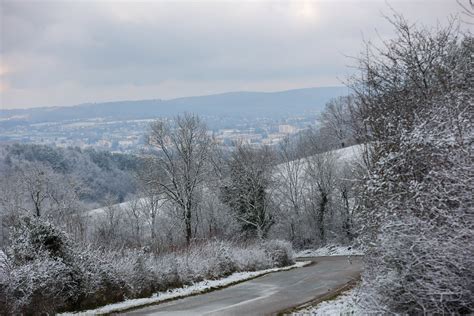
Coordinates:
x,y
251,258
135,269
168,272
421,261
419,267
38,276
100,282
45,272
280,252
145,273
215,258
33,238
421,258
45,285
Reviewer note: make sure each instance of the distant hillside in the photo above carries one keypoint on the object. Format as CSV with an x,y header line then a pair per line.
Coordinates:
x,y
268,104
98,173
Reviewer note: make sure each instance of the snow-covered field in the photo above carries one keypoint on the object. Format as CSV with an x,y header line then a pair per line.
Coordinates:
x,y
196,288
330,251
352,153
121,207
344,304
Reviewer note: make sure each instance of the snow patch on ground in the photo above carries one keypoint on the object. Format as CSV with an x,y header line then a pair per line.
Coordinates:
x,y
344,304
119,206
196,288
352,153
330,251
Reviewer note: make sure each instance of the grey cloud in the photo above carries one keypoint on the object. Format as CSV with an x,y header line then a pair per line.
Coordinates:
x,y
90,44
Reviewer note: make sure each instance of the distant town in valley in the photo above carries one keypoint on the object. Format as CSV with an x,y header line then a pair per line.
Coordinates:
x,y
257,118
127,136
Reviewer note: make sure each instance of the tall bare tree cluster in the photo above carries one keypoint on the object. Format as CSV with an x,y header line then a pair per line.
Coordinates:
x,y
182,162
298,190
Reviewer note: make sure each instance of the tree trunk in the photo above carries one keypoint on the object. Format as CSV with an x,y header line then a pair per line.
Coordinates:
x,y
187,221
347,224
322,209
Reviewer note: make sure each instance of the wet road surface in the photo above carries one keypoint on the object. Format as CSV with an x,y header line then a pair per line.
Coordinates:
x,y
268,294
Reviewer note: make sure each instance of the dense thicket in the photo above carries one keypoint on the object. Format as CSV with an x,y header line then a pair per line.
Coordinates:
x,y
415,114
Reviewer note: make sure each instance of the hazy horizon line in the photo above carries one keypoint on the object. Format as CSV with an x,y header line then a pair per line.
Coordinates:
x,y
169,99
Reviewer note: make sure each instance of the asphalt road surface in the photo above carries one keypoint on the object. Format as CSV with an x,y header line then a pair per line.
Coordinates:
x,y
268,294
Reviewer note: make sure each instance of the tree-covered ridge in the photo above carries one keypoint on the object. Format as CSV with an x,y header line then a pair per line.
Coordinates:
x,y
103,174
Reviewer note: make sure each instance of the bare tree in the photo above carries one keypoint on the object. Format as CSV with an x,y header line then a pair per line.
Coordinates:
x,y
320,173
467,9
290,182
37,185
151,196
134,221
109,225
402,70
182,152
345,185
336,120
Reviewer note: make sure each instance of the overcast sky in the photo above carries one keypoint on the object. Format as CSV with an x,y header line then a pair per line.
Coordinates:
x,y
69,52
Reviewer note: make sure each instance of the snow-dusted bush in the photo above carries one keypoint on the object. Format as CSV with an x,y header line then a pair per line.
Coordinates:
x,y
33,238
45,272
422,258
43,285
420,267
135,269
251,258
36,272
280,252
210,260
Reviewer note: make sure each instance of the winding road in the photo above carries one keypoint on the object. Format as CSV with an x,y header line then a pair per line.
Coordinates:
x,y
269,294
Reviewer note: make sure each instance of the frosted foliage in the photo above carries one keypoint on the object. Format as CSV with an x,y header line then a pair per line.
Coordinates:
x,y
417,212
427,236
43,271
208,261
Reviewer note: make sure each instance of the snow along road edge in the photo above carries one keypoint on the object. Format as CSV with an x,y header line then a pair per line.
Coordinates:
x,y
194,289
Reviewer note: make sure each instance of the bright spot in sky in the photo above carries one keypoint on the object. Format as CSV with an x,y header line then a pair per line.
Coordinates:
x,y
306,10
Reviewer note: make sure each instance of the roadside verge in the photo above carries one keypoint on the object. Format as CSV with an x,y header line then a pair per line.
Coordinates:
x,y
329,296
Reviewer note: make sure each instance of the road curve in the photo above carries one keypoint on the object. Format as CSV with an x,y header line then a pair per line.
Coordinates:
x,y
268,294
